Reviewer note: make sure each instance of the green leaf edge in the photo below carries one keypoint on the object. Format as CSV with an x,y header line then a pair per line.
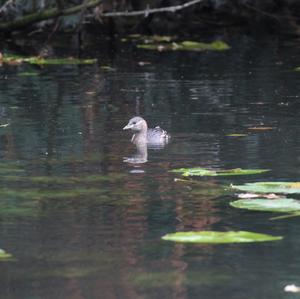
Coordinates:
x,y
264,237
196,171
289,190
240,204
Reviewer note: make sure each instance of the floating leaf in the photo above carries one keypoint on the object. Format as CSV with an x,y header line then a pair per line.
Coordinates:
x,y
4,255
158,47
261,128
236,135
57,61
107,68
270,187
15,59
186,46
259,195
198,46
215,237
282,205
199,171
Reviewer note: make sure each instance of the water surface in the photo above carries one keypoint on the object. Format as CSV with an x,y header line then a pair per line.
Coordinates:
x,y
82,223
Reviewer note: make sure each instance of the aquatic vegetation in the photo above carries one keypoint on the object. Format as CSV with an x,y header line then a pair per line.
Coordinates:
x,y
149,39
4,255
283,205
236,135
261,128
186,46
270,187
16,59
199,171
215,237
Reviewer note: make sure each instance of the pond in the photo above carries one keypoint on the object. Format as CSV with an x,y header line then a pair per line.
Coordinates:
x,y
83,221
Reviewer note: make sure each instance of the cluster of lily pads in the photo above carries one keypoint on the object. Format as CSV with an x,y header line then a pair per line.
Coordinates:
x,y
260,196
170,43
37,60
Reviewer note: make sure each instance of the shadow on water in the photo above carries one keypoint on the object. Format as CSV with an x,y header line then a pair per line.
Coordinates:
x,y
81,223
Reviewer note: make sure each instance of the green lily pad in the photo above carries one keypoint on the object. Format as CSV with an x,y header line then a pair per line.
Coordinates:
x,y
4,255
57,61
157,47
199,171
236,135
198,46
15,59
214,237
283,205
270,187
186,46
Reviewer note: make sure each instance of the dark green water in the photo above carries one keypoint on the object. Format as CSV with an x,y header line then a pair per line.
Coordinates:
x,y
81,223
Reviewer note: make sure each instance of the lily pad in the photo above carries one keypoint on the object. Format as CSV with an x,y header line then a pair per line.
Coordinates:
x,y
261,128
57,61
283,205
186,46
198,46
199,171
270,187
236,135
15,59
214,237
4,255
